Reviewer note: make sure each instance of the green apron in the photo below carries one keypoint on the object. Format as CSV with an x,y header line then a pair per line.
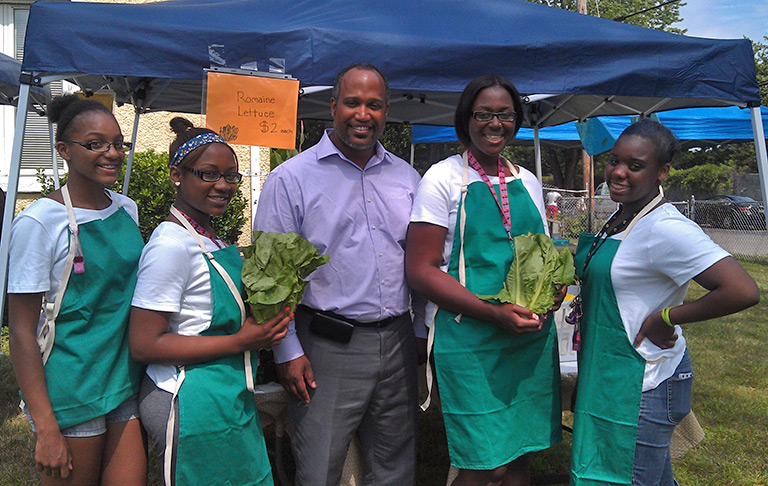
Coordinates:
x,y
500,393
610,378
89,371
220,436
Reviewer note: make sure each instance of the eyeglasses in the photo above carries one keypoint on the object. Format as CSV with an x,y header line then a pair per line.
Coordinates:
x,y
486,116
214,176
103,147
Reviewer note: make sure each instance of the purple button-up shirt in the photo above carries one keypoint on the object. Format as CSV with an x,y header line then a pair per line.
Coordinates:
x,y
357,216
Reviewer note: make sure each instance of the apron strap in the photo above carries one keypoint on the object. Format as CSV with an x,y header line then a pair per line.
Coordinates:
x,y
646,209
230,284
170,426
47,333
430,373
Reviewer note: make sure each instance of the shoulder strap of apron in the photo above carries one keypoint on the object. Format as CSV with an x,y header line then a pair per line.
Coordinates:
x,y
462,267
47,333
646,209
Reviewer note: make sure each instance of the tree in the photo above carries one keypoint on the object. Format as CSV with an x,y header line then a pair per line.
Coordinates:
x,y
652,14
761,63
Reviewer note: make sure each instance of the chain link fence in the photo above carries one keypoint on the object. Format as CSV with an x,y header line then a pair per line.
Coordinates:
x,y
736,225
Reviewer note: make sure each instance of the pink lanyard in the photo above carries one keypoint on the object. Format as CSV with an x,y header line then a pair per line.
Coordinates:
x,y
504,204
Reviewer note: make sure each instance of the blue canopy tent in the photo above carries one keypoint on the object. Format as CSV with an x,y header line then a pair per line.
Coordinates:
x,y
568,66
10,71
564,135
695,127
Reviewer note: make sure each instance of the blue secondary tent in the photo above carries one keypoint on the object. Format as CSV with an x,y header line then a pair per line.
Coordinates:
x,y
695,127
568,66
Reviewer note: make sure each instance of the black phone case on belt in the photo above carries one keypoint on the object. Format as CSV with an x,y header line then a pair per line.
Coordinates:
x,y
331,328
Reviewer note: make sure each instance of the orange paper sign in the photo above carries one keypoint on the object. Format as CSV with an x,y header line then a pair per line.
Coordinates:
x,y
253,110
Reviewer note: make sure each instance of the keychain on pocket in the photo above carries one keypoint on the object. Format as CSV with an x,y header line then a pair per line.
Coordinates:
x,y
574,318
78,263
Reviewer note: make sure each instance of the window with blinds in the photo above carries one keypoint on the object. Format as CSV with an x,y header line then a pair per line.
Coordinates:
x,y
36,152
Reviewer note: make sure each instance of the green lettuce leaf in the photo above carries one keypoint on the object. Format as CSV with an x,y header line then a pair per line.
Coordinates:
x,y
536,272
274,270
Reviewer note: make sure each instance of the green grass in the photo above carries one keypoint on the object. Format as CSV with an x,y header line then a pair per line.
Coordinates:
x,y
730,359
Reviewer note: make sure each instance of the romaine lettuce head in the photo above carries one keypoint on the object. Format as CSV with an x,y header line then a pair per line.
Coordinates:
x,y
274,270
536,272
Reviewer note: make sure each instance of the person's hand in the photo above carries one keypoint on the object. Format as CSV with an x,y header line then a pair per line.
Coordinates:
x,y
295,376
517,319
52,455
659,333
254,335
421,349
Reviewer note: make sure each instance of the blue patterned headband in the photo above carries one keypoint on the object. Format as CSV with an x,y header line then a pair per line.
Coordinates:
x,y
192,144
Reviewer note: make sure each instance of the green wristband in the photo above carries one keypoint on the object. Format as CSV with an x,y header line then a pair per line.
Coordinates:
x,y
665,316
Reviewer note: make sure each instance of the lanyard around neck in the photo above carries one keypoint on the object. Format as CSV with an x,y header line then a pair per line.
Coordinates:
x,y
504,203
625,226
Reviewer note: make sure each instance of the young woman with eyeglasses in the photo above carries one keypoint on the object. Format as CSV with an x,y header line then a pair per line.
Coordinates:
x,y
497,365
189,324
76,251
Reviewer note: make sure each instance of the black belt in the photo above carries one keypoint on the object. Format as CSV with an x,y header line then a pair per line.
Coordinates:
x,y
384,322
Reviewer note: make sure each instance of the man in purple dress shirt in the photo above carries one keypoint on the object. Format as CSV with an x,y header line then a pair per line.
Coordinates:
x,y
352,199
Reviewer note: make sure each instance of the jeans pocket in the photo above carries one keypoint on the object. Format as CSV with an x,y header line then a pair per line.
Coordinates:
x,y
679,392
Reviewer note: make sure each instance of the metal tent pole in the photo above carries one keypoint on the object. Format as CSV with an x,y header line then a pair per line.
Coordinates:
x,y
129,164
537,149
54,164
760,151
13,186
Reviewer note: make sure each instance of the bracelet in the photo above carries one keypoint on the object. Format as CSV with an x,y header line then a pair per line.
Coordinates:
x,y
665,316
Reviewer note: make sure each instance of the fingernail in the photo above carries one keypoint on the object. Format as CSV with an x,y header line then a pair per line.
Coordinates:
x,y
287,309
291,315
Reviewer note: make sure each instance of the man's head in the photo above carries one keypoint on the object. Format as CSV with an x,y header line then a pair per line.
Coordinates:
x,y
359,106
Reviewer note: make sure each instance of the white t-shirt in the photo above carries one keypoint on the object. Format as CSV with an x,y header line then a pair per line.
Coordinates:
x,y
438,197
553,197
651,270
40,243
174,277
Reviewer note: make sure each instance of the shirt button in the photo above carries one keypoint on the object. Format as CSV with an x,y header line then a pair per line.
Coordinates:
x,y
369,199
381,255
374,226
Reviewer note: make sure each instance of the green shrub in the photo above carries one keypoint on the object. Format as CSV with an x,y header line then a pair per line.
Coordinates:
x,y
704,180
153,192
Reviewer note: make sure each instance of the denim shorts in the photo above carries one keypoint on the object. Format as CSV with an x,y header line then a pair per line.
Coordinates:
x,y
128,410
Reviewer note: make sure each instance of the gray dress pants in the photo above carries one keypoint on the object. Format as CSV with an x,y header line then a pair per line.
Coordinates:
x,y
366,387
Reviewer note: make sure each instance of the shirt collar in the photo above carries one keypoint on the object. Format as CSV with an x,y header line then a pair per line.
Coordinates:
x,y
326,148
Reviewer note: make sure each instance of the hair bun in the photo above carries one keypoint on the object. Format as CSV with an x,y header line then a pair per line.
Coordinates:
x,y
58,104
179,125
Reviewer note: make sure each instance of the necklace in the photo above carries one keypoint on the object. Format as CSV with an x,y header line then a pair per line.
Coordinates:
x,y
503,205
200,230
605,232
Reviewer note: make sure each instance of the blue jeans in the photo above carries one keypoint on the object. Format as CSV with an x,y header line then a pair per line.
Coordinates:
x,y
661,409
